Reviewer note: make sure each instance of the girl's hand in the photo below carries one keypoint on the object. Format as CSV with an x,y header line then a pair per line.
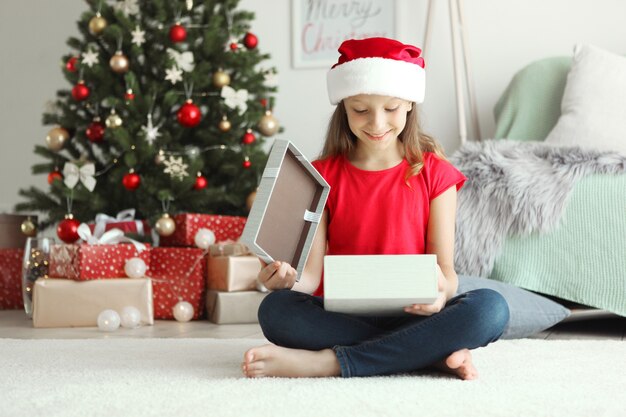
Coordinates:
x,y
277,275
438,305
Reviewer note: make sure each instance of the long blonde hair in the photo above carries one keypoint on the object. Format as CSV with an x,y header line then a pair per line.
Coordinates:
x,y
341,141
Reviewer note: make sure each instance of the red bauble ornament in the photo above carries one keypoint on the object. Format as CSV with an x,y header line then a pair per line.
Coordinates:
x,y
246,163
95,131
80,91
67,230
178,33
248,137
250,40
189,114
234,46
201,182
131,181
70,65
263,102
129,95
54,175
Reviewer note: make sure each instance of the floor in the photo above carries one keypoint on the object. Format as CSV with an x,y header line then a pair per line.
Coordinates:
x,y
14,324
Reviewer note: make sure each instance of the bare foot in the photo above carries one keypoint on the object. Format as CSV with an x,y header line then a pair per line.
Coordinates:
x,y
272,360
460,364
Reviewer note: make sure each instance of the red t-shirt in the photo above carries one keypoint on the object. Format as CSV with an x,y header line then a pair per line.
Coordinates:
x,y
375,212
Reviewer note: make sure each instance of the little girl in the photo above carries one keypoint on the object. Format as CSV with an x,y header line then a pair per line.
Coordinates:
x,y
392,192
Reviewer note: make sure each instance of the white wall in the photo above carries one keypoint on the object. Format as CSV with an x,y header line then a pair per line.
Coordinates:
x,y
504,35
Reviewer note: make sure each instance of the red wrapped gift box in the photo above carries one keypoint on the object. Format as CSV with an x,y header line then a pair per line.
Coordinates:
x,y
124,220
177,275
188,224
11,279
83,262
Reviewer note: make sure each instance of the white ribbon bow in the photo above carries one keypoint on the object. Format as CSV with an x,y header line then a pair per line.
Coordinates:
x,y
85,174
235,98
110,237
183,60
127,215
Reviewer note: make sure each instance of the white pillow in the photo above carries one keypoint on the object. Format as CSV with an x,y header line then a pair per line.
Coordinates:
x,y
593,109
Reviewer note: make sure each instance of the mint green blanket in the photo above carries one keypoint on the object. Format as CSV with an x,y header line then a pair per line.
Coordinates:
x,y
584,259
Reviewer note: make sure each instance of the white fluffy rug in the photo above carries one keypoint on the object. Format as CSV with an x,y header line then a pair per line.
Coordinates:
x,y
201,377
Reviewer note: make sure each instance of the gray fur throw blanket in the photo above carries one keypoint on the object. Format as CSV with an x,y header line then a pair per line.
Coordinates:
x,y
516,188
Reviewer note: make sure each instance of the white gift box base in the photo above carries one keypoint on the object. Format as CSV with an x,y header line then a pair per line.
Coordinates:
x,y
378,284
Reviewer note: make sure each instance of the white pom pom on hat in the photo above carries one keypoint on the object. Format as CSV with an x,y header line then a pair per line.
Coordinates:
x,y
377,66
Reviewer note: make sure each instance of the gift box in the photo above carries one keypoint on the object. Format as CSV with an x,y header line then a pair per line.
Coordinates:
x,y
287,209
233,307
11,235
83,262
177,275
11,279
232,273
228,249
188,224
67,303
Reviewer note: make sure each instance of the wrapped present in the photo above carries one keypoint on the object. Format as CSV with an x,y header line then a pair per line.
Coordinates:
x,y
228,249
12,242
11,279
233,307
177,275
188,224
125,221
67,303
11,236
232,273
83,262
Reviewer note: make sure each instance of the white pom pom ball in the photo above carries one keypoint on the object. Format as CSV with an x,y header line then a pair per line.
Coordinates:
x,y
130,317
204,238
183,311
108,321
135,268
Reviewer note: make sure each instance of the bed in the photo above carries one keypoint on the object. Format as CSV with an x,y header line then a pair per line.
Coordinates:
x,y
581,258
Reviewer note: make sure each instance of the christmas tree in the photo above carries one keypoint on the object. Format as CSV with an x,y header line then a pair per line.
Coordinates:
x,y
166,111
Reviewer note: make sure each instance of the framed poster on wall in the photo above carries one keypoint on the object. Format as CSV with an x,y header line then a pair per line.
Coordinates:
x,y
320,26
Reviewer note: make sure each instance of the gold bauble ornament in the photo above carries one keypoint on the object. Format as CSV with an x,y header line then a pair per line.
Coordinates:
x,y
114,120
159,158
220,78
56,138
224,124
28,227
97,24
119,63
165,226
268,125
250,200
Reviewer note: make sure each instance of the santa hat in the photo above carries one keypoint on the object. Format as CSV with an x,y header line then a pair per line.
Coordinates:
x,y
377,66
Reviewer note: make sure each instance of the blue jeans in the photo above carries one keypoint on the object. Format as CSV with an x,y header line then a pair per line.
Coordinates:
x,y
383,345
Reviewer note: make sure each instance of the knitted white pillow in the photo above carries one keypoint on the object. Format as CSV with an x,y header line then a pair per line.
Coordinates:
x,y
593,109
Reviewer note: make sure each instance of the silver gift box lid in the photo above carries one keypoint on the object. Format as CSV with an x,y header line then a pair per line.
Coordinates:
x,y
287,209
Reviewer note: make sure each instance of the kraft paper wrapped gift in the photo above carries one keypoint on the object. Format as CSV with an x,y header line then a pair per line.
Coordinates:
x,y
178,275
233,307
188,224
228,249
232,273
67,303
11,279
287,209
83,262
